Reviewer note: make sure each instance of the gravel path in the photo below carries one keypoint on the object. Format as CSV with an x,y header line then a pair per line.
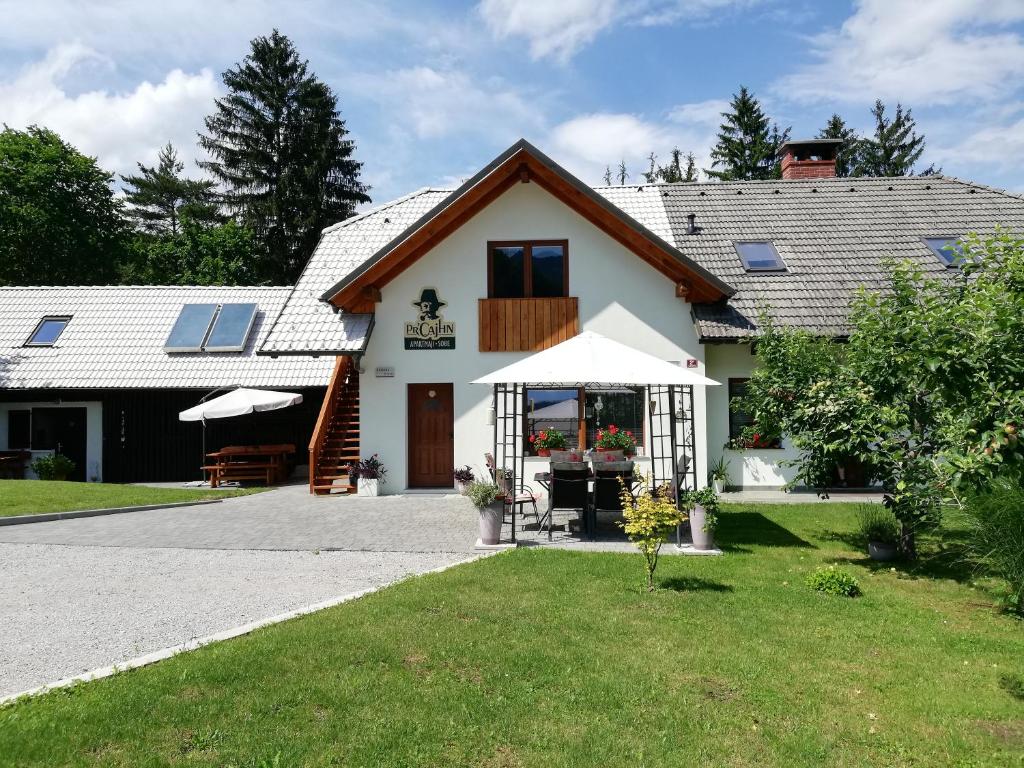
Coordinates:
x,y
65,610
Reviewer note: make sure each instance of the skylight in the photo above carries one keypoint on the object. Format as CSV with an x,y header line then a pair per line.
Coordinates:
x,y
760,256
48,331
211,328
191,327
949,251
231,328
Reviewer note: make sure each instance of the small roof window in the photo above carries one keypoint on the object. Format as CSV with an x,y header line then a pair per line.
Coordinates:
x,y
948,249
48,331
760,256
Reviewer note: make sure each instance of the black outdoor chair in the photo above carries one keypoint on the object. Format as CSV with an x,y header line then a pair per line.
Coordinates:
x,y
568,491
607,490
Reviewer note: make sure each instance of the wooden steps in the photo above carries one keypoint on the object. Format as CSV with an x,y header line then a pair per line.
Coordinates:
x,y
335,442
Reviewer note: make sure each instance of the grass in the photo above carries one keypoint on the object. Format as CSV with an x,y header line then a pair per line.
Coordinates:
x,y
36,497
551,658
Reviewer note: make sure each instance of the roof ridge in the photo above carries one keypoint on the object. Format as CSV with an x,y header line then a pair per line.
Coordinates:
x,y
380,208
988,187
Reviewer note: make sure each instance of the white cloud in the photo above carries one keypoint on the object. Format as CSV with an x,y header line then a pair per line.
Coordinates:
x,y
433,103
120,129
921,53
587,144
558,29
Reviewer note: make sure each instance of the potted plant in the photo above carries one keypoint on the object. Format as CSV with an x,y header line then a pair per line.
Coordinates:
x,y
548,440
372,475
614,439
53,466
718,475
463,477
702,509
487,498
881,530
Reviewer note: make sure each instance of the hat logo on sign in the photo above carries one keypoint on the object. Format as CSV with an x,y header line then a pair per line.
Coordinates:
x,y
429,304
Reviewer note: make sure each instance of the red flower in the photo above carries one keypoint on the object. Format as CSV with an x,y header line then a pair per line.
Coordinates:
x,y
600,434
533,438
543,435
613,430
628,433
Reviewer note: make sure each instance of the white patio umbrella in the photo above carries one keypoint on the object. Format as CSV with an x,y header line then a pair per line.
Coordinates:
x,y
240,402
590,358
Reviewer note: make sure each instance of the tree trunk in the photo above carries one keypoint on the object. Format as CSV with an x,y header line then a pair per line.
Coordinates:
x,y
908,544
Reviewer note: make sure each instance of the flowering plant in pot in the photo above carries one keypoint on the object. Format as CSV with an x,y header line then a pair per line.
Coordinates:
x,y
702,507
490,503
614,439
463,477
372,475
548,440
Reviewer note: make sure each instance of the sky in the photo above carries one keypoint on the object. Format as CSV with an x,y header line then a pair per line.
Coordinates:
x,y
432,90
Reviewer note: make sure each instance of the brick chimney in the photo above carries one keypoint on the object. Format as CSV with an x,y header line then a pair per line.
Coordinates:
x,y
809,158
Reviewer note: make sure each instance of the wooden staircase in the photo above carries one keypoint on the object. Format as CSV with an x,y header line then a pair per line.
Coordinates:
x,y
335,442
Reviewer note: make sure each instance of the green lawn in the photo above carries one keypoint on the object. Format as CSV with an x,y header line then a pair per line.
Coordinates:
x,y
35,497
548,658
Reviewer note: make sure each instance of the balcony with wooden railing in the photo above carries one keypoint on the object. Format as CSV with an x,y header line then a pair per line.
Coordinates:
x,y
527,325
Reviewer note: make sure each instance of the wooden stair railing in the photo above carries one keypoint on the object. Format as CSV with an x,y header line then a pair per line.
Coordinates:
x,y
335,442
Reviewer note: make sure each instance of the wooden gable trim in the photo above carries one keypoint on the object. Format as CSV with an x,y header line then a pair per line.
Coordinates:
x,y
521,166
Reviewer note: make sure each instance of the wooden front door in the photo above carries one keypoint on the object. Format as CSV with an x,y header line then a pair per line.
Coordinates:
x,y
431,435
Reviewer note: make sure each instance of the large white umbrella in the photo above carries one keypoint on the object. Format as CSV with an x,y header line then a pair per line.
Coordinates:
x,y
240,402
590,358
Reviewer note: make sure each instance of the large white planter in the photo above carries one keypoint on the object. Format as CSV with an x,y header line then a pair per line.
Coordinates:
x,y
490,522
719,486
369,486
701,539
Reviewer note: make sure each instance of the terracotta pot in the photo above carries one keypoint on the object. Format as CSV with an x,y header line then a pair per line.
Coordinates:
x,y
701,538
490,522
543,451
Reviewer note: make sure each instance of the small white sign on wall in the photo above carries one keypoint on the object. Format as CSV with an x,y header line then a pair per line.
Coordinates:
x,y
385,372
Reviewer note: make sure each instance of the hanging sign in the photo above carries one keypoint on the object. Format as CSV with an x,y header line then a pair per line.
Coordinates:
x,y
430,330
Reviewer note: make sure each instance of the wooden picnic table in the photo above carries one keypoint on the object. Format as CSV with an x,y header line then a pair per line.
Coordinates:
x,y
234,463
13,464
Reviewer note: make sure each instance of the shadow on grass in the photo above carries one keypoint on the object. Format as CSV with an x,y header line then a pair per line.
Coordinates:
x,y
693,584
736,529
942,554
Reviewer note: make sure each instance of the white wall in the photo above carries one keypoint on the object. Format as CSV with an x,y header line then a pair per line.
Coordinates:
x,y
93,434
755,467
620,297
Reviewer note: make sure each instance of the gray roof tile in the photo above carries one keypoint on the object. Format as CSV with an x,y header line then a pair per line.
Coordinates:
x,y
116,336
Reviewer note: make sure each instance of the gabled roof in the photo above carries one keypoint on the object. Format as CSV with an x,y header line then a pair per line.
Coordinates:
x,y
833,234
522,162
116,336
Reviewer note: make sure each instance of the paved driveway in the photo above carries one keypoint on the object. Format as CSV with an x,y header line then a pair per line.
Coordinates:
x,y
86,593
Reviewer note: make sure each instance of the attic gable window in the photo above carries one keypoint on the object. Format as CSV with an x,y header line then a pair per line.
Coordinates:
x,y
949,251
760,256
527,269
48,331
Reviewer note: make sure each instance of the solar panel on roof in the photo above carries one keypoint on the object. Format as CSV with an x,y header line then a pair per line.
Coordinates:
x,y
189,331
231,328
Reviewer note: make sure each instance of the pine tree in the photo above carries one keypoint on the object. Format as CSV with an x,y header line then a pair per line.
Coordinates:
x,y
607,176
748,142
847,156
691,173
160,196
651,175
894,148
280,150
623,174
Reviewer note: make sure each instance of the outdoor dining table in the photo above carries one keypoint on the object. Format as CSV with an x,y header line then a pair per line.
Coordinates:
x,y
268,463
543,479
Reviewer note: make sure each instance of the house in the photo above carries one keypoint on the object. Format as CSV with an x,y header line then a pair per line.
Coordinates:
x,y
90,371
402,306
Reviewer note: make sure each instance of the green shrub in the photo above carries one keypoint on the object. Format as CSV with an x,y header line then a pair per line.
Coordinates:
x,y
996,535
483,494
53,467
833,581
878,523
